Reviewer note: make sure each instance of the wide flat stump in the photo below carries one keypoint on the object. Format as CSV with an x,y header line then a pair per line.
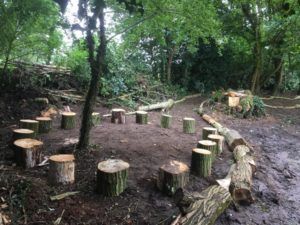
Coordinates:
x,y
45,124
68,120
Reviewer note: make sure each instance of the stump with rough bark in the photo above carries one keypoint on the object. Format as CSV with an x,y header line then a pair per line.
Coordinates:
x,y
208,145
207,131
45,124
31,125
112,177
68,120
61,169
95,118
141,117
219,139
118,116
201,162
171,176
189,125
165,121
28,152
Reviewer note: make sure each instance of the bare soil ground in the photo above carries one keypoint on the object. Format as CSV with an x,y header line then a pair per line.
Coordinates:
x,y
146,147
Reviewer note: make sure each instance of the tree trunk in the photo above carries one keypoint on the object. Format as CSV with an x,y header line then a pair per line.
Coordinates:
x,y
169,64
201,162
278,65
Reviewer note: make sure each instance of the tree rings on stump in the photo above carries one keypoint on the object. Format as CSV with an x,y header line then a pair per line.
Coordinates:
x,y
189,125
201,162
45,124
219,139
95,118
28,152
61,169
68,120
171,176
208,145
165,121
112,177
207,131
31,125
141,117
118,116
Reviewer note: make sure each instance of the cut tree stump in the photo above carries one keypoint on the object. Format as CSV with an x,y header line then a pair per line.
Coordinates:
x,y
42,101
208,145
61,169
171,176
165,121
45,124
31,125
141,117
118,116
219,139
95,118
201,162
68,120
28,152
22,133
207,131
112,177
189,125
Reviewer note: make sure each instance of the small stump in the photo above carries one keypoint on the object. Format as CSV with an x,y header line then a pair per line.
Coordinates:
x,y
68,120
45,124
141,117
165,121
189,125
207,131
172,176
112,177
31,125
118,116
219,139
61,169
208,145
95,118
28,152
22,133
201,162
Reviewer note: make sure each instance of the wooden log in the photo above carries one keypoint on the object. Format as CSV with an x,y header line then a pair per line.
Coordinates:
x,y
141,117
208,145
189,125
42,101
221,130
201,162
95,118
233,101
118,116
68,120
165,121
45,124
21,133
31,125
61,169
171,176
219,139
161,105
234,139
207,131
28,152
112,177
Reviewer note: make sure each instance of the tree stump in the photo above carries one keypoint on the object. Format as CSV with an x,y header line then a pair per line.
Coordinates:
x,y
31,125
201,162
118,116
28,152
207,131
171,176
219,139
165,121
68,120
112,177
95,118
189,125
61,169
22,133
141,117
208,145
45,124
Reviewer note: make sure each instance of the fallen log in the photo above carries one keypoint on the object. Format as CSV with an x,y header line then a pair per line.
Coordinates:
x,y
297,106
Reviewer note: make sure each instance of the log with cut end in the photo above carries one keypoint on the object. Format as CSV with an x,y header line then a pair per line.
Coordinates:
x,y
141,117
68,120
201,162
171,176
234,139
28,152
165,121
45,124
208,145
219,139
161,105
207,131
31,125
61,169
118,116
112,177
233,101
189,125
95,118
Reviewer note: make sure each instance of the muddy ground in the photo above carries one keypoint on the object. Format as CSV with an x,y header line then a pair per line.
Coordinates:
x,y
146,147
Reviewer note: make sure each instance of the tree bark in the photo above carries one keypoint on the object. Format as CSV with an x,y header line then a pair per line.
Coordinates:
x,y
201,162
207,131
219,139
208,145
165,121
31,125
278,65
141,117
68,120
45,124
189,125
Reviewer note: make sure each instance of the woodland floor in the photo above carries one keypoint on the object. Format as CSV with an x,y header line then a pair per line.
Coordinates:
x,y
146,147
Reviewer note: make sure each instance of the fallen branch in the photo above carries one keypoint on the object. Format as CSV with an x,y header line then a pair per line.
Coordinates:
x,y
279,97
297,106
62,196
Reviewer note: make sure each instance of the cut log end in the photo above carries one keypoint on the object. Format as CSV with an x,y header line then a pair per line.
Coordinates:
x,y
113,166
